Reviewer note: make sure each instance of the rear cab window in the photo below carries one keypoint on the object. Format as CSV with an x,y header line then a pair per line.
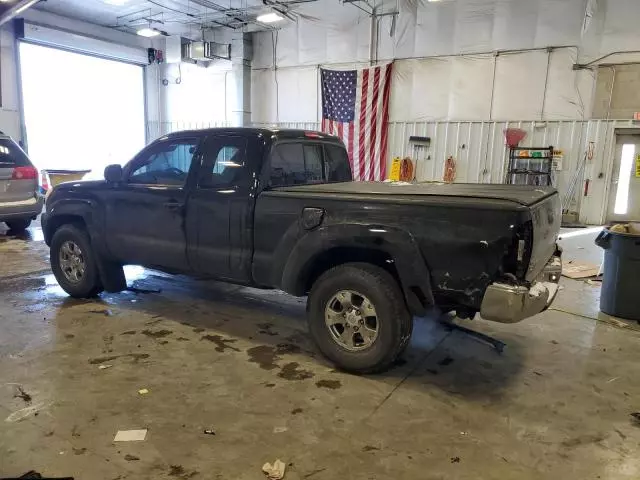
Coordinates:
x,y
308,163
11,155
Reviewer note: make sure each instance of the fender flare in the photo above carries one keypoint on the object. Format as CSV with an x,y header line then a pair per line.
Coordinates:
x,y
73,207
398,244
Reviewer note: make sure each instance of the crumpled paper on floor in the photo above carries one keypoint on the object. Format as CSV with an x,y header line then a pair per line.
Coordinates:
x,y
275,471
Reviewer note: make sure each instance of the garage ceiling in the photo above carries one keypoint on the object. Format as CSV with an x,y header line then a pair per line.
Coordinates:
x,y
175,17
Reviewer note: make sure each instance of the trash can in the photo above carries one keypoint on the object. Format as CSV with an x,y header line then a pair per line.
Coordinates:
x,y
620,294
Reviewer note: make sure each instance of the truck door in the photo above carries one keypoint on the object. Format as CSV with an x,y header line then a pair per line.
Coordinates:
x,y
145,214
220,211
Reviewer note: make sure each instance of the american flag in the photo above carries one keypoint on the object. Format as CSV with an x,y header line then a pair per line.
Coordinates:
x,y
355,107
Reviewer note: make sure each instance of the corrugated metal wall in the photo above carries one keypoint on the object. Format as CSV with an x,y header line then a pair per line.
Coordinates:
x,y
481,156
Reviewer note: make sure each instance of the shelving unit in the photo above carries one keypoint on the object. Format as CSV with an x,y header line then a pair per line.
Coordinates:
x,y
530,166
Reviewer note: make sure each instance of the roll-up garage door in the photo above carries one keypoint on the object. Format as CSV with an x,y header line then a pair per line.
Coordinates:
x,y
81,111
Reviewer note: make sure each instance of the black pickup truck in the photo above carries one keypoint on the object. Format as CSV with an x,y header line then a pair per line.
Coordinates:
x,y
278,209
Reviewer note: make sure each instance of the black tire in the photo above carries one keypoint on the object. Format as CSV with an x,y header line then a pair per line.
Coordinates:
x,y
394,322
18,225
89,285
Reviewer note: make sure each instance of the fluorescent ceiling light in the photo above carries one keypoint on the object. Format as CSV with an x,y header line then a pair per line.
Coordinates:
x,y
269,18
148,32
116,2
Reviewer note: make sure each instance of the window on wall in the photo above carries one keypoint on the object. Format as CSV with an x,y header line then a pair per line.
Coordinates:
x,y
81,112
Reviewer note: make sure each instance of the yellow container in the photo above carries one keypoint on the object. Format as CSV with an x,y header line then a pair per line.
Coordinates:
x,y
59,176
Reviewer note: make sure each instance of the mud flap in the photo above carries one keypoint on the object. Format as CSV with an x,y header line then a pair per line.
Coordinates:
x,y
111,275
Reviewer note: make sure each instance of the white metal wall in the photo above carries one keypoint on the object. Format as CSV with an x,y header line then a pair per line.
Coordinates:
x,y
446,63
481,155
157,129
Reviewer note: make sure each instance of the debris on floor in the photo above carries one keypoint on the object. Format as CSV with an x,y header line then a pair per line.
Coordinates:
x,y
32,475
25,412
143,391
143,290
280,429
106,312
455,460
330,384
209,431
275,471
104,367
577,270
130,435
22,394
636,418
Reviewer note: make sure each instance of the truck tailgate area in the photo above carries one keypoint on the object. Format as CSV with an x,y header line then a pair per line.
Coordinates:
x,y
546,217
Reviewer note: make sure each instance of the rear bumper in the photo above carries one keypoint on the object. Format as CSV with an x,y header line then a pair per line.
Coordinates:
x,y
512,303
24,209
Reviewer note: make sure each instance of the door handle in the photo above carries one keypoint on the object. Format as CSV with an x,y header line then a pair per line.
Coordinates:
x,y
173,205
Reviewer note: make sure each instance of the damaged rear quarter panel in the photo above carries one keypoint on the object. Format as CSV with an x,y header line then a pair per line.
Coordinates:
x,y
460,241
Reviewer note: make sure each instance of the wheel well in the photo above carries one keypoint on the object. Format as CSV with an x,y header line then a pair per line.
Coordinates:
x,y
59,220
340,255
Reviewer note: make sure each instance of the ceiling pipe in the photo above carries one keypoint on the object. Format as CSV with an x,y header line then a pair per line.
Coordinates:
x,y
15,10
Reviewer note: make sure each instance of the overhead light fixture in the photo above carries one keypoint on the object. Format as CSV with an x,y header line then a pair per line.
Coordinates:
x,y
148,32
116,2
269,18
24,6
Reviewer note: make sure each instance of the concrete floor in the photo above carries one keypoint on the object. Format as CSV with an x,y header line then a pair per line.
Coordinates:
x,y
556,404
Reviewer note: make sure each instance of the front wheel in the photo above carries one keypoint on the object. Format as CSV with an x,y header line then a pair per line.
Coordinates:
x,y
358,317
73,263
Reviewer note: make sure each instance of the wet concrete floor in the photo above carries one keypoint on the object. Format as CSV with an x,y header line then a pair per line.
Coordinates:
x,y
237,362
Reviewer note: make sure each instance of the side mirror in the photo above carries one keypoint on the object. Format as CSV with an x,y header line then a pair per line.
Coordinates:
x,y
113,173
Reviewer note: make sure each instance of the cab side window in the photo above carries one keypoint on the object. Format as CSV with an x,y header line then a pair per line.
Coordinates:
x,y
224,162
296,164
167,163
337,164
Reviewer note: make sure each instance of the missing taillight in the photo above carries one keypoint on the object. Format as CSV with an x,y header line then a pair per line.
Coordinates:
x,y
519,253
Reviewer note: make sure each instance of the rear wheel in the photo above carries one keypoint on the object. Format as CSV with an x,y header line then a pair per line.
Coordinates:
x,y
358,317
18,225
73,263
